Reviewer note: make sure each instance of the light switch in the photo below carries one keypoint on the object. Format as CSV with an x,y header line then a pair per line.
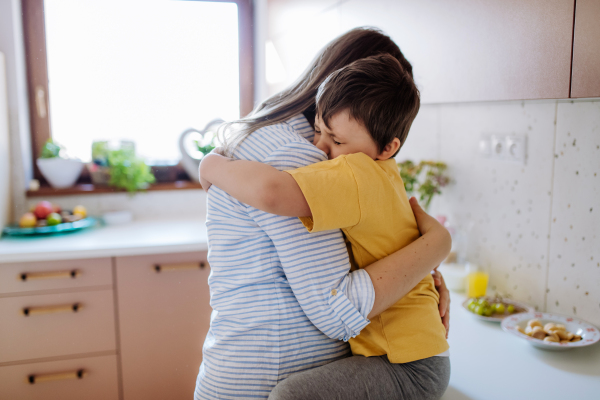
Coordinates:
x,y
505,147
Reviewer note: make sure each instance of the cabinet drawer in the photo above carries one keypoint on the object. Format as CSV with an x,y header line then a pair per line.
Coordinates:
x,y
66,274
59,380
56,325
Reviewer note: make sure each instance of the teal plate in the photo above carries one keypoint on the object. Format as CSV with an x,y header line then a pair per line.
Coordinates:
x,y
15,230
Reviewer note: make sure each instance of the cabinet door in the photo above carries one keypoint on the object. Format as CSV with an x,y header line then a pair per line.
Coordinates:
x,y
586,50
473,50
164,315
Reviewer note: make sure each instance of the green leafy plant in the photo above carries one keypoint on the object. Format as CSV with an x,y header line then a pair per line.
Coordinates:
x,y
205,149
207,143
127,171
51,149
425,179
100,152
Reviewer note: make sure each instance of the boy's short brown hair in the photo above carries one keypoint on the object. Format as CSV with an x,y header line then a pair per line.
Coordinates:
x,y
377,92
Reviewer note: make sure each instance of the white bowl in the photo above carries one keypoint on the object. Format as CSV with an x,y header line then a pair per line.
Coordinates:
x,y
60,172
588,332
117,217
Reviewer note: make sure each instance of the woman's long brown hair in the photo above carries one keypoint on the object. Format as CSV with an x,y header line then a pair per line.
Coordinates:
x,y
299,97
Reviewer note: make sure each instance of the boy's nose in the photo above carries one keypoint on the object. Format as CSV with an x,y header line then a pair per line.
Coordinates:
x,y
321,145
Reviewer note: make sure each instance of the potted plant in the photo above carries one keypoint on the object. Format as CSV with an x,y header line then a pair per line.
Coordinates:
x,y
119,167
425,179
59,170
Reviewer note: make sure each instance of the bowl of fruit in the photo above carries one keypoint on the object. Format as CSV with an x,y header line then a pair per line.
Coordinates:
x,y
551,331
494,309
47,218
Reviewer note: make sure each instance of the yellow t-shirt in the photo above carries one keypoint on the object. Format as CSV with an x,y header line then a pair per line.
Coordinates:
x,y
367,200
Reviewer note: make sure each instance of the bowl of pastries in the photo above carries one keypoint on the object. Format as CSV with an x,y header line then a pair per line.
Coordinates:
x,y
551,331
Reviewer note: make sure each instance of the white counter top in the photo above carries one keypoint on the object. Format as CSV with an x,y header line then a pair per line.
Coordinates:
x,y
488,363
135,238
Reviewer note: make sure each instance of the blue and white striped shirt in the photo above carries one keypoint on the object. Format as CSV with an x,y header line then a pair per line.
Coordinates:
x,y
283,299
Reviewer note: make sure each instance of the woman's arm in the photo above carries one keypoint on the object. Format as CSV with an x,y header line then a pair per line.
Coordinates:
x,y
256,184
397,274
268,189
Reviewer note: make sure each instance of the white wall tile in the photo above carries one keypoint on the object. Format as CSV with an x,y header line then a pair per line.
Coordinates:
x,y
574,273
503,207
423,139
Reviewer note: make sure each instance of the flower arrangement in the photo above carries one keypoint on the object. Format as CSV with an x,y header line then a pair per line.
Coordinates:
x,y
425,179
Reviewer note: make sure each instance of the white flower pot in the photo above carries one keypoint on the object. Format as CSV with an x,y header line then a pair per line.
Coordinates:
x,y
190,156
59,172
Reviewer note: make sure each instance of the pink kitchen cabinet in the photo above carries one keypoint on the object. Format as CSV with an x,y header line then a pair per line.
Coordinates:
x,y
164,315
460,50
57,330
586,50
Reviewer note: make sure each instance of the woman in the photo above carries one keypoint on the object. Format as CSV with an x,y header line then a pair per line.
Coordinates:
x,y
284,300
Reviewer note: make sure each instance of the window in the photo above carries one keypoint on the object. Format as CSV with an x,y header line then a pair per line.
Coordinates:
x,y
139,70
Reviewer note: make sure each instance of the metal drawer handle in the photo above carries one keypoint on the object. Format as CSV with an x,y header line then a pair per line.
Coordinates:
x,y
179,267
60,376
27,311
29,276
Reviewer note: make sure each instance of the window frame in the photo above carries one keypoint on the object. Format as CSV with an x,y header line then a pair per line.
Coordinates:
x,y
37,80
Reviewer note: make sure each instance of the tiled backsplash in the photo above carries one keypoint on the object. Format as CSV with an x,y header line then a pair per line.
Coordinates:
x,y
536,226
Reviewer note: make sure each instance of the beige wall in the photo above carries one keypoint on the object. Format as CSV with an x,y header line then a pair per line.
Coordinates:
x,y
5,192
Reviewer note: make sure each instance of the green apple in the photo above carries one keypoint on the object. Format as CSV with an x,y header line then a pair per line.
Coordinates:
x,y
54,219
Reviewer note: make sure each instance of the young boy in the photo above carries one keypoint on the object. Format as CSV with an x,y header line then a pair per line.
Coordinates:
x,y
364,113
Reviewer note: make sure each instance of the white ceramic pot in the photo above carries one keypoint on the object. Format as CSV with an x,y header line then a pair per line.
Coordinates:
x,y
60,172
190,156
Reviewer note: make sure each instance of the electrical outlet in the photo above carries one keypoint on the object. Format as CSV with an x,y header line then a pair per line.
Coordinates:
x,y
506,147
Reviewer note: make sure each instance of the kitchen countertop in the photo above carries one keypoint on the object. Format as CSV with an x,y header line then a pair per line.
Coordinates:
x,y
488,363
136,238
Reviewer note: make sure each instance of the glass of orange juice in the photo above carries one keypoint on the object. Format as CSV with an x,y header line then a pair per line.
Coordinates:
x,y
477,281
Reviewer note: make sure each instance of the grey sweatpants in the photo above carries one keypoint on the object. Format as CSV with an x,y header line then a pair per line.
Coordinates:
x,y
373,378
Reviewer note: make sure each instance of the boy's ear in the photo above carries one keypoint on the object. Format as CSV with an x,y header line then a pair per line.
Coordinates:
x,y
389,150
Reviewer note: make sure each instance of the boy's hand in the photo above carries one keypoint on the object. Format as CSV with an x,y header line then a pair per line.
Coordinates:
x,y
205,166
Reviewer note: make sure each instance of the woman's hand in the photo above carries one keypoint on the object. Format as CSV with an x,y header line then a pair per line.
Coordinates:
x,y
444,305
425,222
